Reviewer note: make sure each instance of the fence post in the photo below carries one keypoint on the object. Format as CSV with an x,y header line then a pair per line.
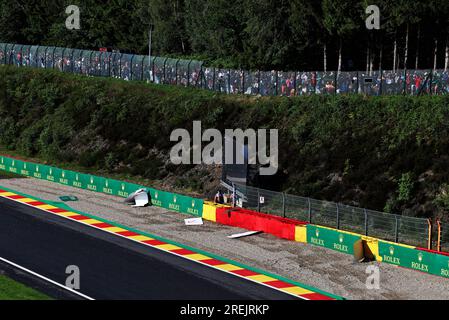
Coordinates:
x,y
152,61
4,55
429,241
258,200
431,80
165,71
62,59
72,59
405,80
176,71
294,83
131,68
90,63
229,81
338,217
336,84
188,73
366,222
45,58
233,195
21,56
277,83
310,210
54,62
120,66
396,230
439,235
142,72
35,57
381,81
283,204
243,81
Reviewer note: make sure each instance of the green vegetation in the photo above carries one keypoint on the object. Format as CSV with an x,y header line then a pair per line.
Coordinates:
x,y
377,152
253,34
12,290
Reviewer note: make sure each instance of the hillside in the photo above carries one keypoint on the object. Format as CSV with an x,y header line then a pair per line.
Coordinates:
x,y
384,153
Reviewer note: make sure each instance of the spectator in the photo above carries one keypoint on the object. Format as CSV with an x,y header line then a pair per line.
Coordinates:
x,y
219,198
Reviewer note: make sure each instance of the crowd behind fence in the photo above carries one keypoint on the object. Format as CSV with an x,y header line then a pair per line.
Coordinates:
x,y
391,227
193,73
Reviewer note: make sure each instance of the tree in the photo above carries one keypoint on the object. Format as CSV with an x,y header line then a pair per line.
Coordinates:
x,y
341,19
306,23
168,17
215,28
267,38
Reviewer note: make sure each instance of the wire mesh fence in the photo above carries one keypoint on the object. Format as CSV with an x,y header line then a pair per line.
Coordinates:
x,y
391,227
193,73
442,239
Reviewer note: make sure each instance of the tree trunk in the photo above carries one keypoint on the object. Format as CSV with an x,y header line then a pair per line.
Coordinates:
x,y
395,52
406,47
446,60
325,57
435,54
381,51
417,48
380,56
367,59
339,57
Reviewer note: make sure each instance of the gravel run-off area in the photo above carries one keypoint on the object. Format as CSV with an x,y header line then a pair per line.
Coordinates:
x,y
322,268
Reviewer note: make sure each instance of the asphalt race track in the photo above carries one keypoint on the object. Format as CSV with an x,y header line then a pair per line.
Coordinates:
x,y
112,267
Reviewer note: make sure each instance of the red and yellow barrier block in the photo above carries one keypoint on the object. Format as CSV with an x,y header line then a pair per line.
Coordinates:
x,y
255,221
210,210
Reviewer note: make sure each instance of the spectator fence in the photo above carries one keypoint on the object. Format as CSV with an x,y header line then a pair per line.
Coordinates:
x,y
194,73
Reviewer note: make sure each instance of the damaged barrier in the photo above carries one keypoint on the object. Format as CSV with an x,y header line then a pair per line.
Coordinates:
x,y
255,221
167,200
176,202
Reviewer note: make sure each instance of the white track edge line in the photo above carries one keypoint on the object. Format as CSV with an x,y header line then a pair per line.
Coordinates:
x,y
45,278
167,251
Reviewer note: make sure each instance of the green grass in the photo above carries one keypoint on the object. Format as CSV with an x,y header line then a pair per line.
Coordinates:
x,y
12,290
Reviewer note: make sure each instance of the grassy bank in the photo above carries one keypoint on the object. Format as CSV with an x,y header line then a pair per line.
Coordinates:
x,y
12,290
384,153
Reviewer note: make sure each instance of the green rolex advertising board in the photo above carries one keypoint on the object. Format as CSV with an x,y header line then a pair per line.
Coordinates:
x,y
332,239
170,201
405,256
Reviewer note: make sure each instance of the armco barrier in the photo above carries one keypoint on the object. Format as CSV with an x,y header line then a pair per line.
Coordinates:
x,y
167,200
337,240
251,220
